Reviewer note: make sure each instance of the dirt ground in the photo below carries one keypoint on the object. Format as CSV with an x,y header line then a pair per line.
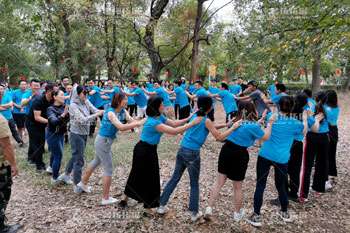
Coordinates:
x,y
41,207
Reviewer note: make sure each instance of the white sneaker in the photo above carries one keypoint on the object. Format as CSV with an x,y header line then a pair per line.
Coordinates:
x,y
84,187
196,217
162,209
66,179
238,216
137,130
208,213
327,185
77,190
55,181
49,169
110,201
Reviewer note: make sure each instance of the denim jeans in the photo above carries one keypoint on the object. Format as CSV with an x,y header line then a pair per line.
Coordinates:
x,y
78,144
191,160
55,142
262,171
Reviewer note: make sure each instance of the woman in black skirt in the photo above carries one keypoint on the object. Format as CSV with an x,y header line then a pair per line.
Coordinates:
x,y
143,183
234,157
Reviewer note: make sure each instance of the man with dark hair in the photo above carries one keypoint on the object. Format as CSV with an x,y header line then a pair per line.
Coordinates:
x,y
64,83
311,104
95,99
37,121
181,96
243,86
228,101
164,94
235,89
18,111
8,169
257,97
279,92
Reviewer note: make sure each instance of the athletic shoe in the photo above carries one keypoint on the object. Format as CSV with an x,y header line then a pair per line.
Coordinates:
x,y
55,181
31,162
238,216
295,199
123,203
284,215
11,229
315,192
66,179
255,220
196,217
40,170
22,145
110,201
302,200
162,209
275,201
49,169
327,185
208,213
77,190
84,187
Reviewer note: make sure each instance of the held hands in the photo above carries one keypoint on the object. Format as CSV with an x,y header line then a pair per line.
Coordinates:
x,y
319,117
273,119
100,113
141,122
237,124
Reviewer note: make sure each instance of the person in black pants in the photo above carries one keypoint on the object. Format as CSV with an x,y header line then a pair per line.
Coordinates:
x,y
37,121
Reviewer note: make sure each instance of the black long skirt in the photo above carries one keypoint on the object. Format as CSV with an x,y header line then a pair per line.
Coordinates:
x,y
143,183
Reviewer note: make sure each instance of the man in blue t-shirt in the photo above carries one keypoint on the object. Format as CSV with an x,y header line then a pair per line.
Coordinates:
x,y
278,91
94,97
111,91
213,90
228,101
235,89
140,99
311,104
18,111
5,109
164,94
182,99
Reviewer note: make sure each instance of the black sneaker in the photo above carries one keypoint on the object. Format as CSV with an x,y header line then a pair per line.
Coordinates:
x,y
40,169
22,145
255,220
284,215
11,229
123,203
31,162
275,201
294,199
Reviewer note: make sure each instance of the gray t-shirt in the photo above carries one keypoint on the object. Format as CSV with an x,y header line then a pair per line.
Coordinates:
x,y
259,103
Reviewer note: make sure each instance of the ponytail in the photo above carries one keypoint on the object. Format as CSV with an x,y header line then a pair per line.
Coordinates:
x,y
321,99
204,104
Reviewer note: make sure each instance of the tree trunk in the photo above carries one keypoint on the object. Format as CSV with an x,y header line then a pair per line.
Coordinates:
x,y
306,76
346,84
67,44
316,66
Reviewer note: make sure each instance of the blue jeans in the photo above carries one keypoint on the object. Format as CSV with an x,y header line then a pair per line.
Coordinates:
x,y
262,171
78,144
55,142
191,160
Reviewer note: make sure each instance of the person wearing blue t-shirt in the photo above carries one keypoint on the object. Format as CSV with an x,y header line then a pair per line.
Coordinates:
x,y
68,89
317,146
311,104
191,89
172,98
163,93
183,83
5,109
200,91
234,157
140,99
279,91
94,96
131,102
150,85
18,111
143,183
235,89
213,89
110,92
184,105
332,105
112,123
188,155
276,152
228,101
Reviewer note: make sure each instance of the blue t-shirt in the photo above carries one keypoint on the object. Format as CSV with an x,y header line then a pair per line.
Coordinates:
x,y
283,132
27,95
17,98
95,99
271,88
311,104
228,101
323,125
131,100
191,88
149,131
140,98
184,85
172,101
196,135
235,89
213,90
181,97
246,134
164,95
5,100
67,100
335,114
201,92
276,98
111,95
150,87
107,128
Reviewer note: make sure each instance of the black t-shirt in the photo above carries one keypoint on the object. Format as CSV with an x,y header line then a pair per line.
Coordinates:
x,y
62,88
244,86
39,104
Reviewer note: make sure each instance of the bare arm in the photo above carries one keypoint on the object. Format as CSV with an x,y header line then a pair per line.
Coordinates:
x,y
7,150
267,134
7,106
217,135
174,131
176,123
39,118
242,98
124,127
153,93
316,126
